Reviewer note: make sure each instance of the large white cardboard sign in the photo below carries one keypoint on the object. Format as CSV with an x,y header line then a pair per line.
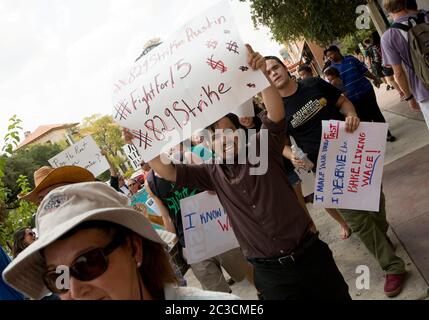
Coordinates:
x,y
85,153
350,166
206,226
192,79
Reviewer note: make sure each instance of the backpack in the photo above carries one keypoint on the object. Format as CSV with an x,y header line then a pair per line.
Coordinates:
x,y
418,41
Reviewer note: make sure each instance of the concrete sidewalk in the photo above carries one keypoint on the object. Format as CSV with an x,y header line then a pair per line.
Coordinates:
x,y
412,134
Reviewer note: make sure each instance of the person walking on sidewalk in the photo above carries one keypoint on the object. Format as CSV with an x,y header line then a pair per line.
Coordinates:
x,y
396,50
272,228
307,104
359,90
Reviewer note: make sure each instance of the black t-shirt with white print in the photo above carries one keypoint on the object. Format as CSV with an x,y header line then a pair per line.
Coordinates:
x,y
313,102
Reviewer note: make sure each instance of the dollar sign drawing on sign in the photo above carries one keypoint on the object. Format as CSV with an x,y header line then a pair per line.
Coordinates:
x,y
216,64
363,20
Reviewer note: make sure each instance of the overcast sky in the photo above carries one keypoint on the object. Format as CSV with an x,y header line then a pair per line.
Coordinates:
x,y
58,58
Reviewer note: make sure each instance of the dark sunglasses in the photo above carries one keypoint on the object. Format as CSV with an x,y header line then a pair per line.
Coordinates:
x,y
86,267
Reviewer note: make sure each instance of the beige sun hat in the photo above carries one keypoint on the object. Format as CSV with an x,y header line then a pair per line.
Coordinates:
x,y
60,211
46,177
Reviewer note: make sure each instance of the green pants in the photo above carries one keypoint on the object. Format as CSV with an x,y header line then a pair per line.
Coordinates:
x,y
371,227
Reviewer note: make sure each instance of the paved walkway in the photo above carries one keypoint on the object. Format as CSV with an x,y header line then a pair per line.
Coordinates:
x,y
412,135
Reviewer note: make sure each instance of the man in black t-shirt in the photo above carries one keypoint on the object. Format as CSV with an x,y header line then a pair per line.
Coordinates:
x,y
317,100
308,103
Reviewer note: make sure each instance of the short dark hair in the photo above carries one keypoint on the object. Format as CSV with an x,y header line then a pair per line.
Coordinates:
x,y
279,62
305,67
331,71
276,59
332,48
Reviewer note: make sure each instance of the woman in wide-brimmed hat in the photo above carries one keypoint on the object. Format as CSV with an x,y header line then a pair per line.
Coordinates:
x,y
93,246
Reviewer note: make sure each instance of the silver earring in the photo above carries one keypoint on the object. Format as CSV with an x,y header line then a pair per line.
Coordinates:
x,y
139,264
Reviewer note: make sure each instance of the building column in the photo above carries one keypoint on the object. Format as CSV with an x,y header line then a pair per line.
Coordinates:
x,y
376,17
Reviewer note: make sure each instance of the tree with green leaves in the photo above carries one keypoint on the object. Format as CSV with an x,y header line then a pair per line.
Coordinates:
x,y
11,220
108,136
321,21
24,162
105,132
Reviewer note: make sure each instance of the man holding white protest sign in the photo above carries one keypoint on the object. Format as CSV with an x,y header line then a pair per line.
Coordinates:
x,y
307,104
287,256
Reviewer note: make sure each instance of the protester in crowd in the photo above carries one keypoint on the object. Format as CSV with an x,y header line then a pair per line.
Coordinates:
x,y
289,260
307,104
396,51
279,69
117,180
22,238
208,272
47,178
305,71
333,76
133,186
111,251
359,90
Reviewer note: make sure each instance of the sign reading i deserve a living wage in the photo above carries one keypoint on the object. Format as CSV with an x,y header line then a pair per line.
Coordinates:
x,y
206,227
350,166
192,79
85,153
